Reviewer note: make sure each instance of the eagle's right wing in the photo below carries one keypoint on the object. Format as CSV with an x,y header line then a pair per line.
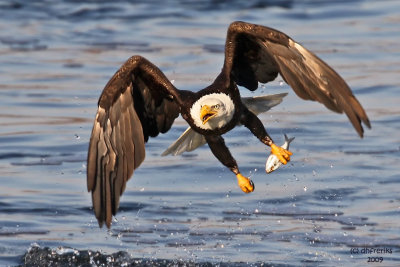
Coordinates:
x,y
137,102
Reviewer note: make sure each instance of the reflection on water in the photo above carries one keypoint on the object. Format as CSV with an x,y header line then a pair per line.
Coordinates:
x,y
338,193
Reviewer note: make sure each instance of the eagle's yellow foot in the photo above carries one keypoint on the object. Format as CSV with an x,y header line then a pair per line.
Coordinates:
x,y
245,183
282,154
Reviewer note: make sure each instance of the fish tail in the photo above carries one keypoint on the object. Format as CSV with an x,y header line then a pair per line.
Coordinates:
x,y
288,140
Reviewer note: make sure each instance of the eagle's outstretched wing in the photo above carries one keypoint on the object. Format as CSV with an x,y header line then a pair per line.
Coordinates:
x,y
255,53
137,102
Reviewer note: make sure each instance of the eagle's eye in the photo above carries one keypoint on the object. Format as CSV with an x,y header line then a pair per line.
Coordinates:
x,y
215,106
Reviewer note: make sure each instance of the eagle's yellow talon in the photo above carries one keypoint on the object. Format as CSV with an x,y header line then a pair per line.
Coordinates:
x,y
245,183
282,154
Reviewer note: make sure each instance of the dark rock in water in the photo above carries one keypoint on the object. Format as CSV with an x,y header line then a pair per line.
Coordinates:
x,y
64,256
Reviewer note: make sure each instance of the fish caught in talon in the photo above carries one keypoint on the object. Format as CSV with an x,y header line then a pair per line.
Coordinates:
x,y
282,154
273,162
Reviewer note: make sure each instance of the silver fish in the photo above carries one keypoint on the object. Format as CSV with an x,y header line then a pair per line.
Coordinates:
x,y
273,162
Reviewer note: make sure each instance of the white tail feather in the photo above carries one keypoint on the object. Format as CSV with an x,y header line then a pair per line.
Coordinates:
x,y
188,141
261,104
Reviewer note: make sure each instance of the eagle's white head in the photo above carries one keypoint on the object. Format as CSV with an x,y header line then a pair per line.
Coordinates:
x,y
212,111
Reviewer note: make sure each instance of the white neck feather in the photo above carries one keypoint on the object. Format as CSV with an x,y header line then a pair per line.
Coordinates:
x,y
225,113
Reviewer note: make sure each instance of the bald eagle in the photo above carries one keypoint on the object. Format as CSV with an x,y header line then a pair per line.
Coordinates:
x,y
140,102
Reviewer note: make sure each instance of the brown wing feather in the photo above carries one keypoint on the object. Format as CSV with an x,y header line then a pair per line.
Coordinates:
x,y
261,53
136,103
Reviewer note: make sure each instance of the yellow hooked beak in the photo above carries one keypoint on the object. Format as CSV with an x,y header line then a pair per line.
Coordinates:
x,y
206,113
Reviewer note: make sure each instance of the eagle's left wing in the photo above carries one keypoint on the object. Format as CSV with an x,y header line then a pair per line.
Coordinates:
x,y
255,53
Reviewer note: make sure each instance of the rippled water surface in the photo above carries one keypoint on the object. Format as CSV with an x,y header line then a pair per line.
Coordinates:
x,y
337,198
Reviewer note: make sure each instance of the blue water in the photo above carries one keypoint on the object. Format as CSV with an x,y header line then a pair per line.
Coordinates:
x,y
339,194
